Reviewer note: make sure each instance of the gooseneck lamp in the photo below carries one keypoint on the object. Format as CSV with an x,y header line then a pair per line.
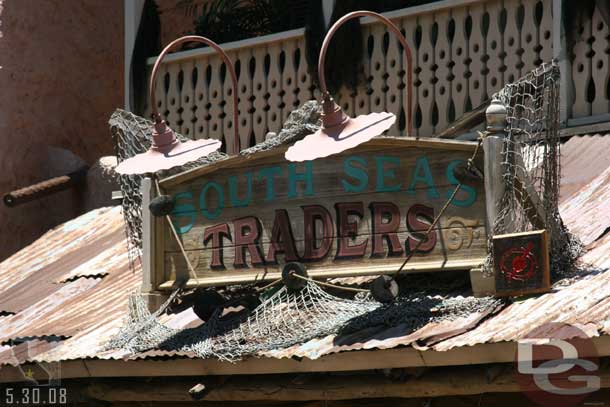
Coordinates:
x,y
166,150
340,132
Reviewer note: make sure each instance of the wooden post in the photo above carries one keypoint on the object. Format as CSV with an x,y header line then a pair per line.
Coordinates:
x,y
150,224
560,54
492,146
483,283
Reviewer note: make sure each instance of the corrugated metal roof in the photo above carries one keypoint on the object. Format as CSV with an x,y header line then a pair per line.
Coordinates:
x,y
582,159
61,248
17,354
587,213
72,283
83,270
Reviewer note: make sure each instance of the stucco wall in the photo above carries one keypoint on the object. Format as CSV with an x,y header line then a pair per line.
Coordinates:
x,y
61,77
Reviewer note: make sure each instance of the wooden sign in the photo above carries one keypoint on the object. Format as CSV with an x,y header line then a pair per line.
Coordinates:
x,y
356,213
521,263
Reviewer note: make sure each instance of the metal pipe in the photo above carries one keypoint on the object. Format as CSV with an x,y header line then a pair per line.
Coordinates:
x,y
45,188
401,39
230,68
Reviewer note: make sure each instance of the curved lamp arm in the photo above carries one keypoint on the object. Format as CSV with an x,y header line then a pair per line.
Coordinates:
x,y
226,60
401,38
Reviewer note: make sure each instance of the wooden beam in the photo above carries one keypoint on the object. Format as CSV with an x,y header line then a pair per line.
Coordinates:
x,y
148,242
531,202
487,399
466,122
561,53
603,127
461,381
334,272
501,352
152,259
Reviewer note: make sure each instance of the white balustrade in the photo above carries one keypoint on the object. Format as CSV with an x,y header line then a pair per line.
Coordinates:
x,y
590,69
463,51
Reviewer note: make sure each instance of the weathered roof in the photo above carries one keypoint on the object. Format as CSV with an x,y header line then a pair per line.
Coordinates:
x,y
71,283
65,295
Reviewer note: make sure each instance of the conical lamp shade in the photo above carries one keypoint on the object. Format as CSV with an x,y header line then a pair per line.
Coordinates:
x,y
333,138
340,132
166,150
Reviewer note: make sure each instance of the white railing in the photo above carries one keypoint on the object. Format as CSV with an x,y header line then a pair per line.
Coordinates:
x,y
590,76
464,51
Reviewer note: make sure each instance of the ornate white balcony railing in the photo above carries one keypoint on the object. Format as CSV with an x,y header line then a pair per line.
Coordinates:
x,y
589,92
464,50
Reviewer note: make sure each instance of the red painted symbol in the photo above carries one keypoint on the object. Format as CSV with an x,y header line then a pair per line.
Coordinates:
x,y
519,263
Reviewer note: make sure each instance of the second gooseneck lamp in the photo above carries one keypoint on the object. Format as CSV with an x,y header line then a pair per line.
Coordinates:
x,y
340,132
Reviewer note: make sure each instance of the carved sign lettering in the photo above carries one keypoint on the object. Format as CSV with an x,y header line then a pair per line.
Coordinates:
x,y
357,213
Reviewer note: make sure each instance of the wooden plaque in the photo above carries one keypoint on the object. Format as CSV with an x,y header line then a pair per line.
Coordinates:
x,y
355,213
521,263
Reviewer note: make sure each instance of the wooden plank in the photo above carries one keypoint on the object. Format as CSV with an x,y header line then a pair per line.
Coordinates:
x,y
198,53
589,120
353,270
530,200
453,216
379,142
198,219
468,121
603,127
486,399
447,253
148,238
380,198
561,53
330,172
434,383
454,233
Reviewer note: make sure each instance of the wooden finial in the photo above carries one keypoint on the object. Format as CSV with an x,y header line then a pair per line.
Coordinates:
x,y
496,117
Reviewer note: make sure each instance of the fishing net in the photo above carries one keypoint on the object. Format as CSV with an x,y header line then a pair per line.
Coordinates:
x,y
531,164
286,318
131,135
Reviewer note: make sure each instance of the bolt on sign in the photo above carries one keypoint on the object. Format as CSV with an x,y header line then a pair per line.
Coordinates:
x,y
356,213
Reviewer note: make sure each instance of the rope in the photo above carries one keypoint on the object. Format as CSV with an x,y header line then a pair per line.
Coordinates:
x,y
443,209
263,288
322,283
